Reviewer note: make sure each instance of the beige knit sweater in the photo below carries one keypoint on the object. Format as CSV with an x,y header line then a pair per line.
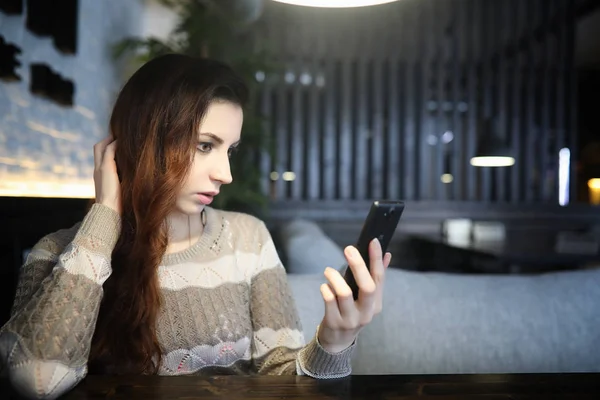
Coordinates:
x,y
227,307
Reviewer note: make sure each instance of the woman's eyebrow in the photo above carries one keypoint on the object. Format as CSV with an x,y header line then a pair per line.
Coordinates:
x,y
218,139
213,137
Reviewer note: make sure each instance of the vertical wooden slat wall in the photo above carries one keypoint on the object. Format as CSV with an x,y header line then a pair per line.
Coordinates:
x,y
425,162
503,21
438,118
390,101
472,66
408,117
487,123
571,92
517,100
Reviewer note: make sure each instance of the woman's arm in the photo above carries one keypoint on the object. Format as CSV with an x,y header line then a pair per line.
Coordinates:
x,y
278,343
44,347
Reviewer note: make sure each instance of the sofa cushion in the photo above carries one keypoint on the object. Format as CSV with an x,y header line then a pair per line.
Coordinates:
x,y
307,249
450,323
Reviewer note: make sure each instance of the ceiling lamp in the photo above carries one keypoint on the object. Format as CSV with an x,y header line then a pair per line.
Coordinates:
x,y
492,150
335,3
492,161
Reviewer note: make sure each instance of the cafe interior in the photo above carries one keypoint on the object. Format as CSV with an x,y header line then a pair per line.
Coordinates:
x,y
480,116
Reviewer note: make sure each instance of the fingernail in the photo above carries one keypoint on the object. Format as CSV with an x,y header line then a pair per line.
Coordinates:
x,y
351,252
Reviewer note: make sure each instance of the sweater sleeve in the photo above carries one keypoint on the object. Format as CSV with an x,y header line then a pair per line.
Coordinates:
x,y
278,346
45,344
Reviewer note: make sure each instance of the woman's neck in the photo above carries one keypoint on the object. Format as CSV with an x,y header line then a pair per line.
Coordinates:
x,y
183,231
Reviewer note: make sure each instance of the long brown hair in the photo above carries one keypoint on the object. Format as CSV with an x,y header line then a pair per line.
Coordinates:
x,y
155,121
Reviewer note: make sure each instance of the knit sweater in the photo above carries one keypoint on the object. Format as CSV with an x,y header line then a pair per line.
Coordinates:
x,y
226,307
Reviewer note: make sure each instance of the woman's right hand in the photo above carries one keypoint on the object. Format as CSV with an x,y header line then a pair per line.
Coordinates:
x,y
106,180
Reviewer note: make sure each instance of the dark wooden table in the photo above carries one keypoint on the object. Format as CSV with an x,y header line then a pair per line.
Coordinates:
x,y
468,387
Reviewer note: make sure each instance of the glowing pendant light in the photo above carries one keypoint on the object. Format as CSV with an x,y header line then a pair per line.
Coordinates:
x,y
492,151
335,3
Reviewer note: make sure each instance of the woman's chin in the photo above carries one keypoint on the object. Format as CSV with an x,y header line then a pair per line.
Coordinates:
x,y
190,208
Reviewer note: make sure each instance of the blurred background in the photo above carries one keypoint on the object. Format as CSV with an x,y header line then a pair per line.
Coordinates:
x,y
482,115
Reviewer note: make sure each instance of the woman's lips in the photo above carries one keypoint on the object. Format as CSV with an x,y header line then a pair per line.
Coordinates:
x,y
205,198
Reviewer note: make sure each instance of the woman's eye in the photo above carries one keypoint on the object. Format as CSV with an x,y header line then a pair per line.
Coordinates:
x,y
205,147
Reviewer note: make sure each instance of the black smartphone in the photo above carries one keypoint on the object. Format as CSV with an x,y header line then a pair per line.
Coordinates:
x,y
381,223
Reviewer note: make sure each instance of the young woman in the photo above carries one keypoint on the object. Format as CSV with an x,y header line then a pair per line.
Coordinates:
x,y
153,280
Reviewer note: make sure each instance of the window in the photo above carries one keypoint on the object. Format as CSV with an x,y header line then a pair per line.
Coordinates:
x,y
8,61
57,19
47,83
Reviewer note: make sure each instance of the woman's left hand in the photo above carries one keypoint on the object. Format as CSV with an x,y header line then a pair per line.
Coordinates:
x,y
344,317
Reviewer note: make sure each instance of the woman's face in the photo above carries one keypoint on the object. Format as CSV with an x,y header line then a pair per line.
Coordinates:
x,y
218,136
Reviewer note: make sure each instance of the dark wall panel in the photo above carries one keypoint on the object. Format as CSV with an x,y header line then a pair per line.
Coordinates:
x,y
391,101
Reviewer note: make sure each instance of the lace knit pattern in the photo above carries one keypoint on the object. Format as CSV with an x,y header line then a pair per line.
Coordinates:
x,y
227,307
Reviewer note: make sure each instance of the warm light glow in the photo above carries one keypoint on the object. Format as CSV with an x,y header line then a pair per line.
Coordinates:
x,y
594,183
336,3
594,190
52,188
496,161
447,178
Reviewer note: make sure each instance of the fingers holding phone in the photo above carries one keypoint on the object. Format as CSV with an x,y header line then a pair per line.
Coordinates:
x,y
344,316
353,299
379,278
370,281
380,224
339,305
364,280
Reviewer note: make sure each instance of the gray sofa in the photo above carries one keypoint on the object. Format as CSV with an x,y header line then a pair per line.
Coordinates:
x,y
449,323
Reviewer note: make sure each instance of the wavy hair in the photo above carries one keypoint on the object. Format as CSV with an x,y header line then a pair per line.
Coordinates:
x,y
155,120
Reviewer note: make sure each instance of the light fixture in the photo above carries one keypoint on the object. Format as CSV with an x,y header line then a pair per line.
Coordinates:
x,y
564,168
335,3
288,176
492,150
594,183
447,178
492,161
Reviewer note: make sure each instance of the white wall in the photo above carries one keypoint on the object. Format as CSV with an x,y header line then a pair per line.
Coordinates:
x,y
46,148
